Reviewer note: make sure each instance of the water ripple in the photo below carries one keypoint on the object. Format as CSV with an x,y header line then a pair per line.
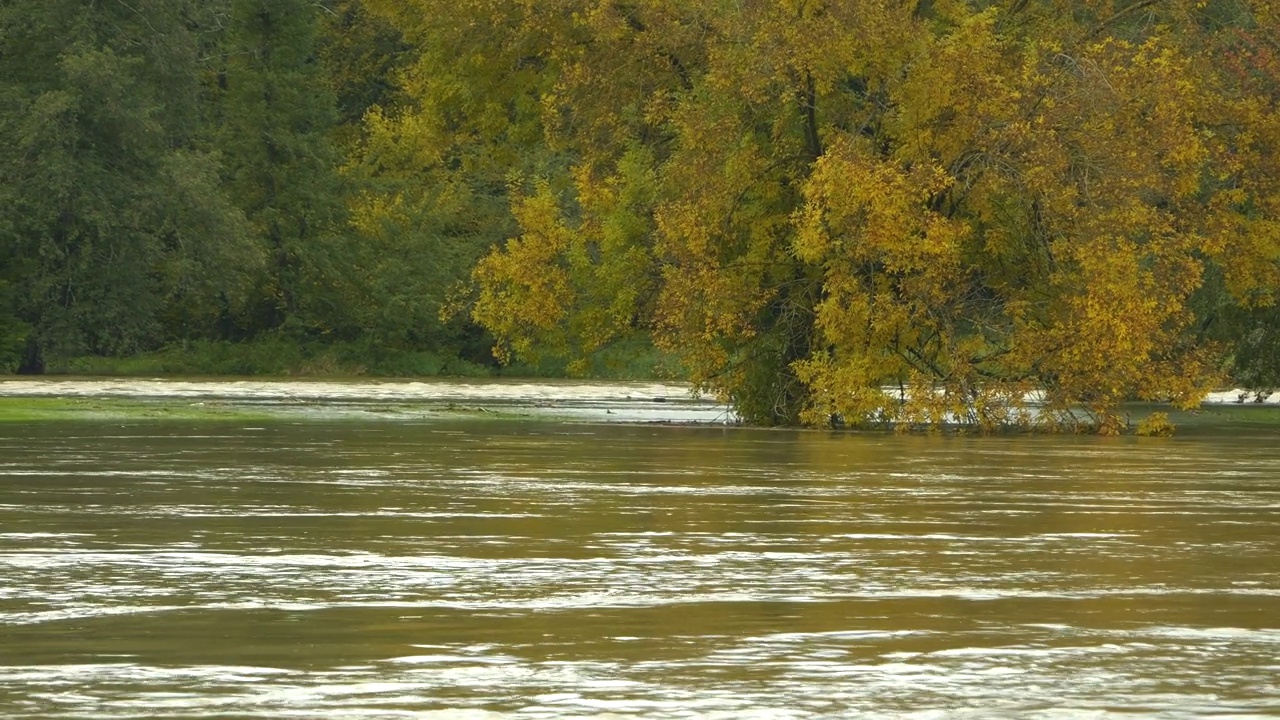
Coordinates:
x,y
490,570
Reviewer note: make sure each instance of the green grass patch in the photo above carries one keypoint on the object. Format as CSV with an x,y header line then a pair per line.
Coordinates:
x,y
1210,419
1222,415
38,409
21,409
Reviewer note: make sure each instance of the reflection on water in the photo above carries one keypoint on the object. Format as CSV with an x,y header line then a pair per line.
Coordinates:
x,y
527,570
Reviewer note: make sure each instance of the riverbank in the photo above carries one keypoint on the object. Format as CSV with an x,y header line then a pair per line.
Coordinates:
x,y
244,399
220,399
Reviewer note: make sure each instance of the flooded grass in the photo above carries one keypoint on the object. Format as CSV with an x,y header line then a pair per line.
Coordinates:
x,y
34,409
304,400
1217,416
54,409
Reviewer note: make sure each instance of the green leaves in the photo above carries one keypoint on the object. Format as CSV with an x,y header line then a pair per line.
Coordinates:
x,y
112,214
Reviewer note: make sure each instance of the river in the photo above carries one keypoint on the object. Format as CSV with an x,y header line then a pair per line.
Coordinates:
x,y
456,567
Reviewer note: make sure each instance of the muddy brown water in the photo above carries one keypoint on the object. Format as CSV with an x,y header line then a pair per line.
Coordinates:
x,y
475,568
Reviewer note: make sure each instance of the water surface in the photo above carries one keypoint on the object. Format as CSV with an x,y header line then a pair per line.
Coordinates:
x,y
466,568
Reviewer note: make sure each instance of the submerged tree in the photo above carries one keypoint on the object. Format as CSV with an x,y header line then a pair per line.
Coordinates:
x,y
898,211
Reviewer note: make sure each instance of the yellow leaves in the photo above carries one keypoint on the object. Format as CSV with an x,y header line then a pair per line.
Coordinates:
x,y
569,285
956,92
405,143
1155,425
524,288
1116,314
1078,171
864,210
889,273
961,202
1118,332
868,224
849,390
1250,247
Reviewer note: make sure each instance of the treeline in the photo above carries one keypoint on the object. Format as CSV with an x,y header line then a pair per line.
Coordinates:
x,y
177,171
804,202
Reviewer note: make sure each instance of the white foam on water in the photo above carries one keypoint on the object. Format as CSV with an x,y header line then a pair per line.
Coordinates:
x,y
549,390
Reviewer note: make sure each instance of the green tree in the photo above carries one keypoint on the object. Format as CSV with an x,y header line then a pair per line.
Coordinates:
x,y
438,158
275,129
362,54
112,211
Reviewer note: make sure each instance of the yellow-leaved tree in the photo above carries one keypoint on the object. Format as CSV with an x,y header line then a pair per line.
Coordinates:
x,y
878,212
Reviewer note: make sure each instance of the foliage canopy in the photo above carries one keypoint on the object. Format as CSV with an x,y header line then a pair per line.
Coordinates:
x,y
874,212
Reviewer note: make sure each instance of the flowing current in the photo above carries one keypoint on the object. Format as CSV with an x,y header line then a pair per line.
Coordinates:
x,y
463,567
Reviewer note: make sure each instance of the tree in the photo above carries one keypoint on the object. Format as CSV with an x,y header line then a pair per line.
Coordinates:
x,y
362,53
1238,304
438,158
112,208
276,131
961,201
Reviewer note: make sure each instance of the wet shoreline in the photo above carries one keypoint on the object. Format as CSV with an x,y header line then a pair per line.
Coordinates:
x,y
604,401
624,402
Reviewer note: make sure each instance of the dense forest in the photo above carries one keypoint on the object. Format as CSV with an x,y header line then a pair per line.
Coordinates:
x,y
800,203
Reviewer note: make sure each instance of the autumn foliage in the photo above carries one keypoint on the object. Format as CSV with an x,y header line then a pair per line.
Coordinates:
x,y
860,212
